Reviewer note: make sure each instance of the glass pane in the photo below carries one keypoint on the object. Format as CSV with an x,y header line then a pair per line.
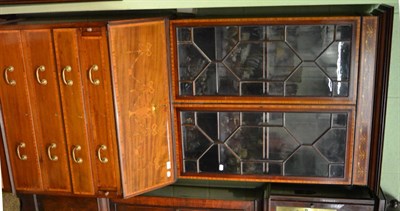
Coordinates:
x,y
186,88
246,61
276,89
252,168
248,143
229,162
309,80
281,61
206,84
228,84
309,40
276,32
336,171
208,122
191,61
252,118
251,33
307,127
194,142
191,166
204,38
335,61
307,162
339,120
340,89
209,162
274,169
187,118
184,34
274,118
280,143
252,88
344,32
228,123
227,37
333,145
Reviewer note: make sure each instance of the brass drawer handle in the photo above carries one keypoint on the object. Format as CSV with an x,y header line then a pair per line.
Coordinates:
x,y
21,157
95,81
101,159
67,82
51,157
6,71
76,148
41,68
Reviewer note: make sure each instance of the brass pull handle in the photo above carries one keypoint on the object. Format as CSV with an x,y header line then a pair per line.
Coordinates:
x,y
67,82
76,148
51,157
21,157
95,81
8,81
101,159
41,68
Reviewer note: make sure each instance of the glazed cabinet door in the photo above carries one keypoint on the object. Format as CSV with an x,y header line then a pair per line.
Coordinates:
x,y
46,106
141,94
17,114
96,80
66,44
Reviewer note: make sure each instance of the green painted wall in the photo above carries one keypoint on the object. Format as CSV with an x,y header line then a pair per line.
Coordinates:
x,y
391,158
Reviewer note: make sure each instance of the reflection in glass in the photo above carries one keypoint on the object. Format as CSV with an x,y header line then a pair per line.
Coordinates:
x,y
268,61
306,161
270,143
309,41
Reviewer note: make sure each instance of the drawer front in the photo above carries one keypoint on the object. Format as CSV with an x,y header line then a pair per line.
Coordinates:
x,y
311,206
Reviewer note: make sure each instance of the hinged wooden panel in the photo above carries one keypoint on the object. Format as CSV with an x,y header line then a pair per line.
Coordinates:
x,y
96,79
67,54
16,110
141,94
46,106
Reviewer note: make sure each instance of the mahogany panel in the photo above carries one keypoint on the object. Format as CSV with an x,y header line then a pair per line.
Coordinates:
x,y
141,95
5,176
147,203
46,106
67,55
365,99
17,115
64,203
96,79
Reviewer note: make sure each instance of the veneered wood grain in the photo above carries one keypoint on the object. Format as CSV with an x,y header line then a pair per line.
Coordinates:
x,y
65,203
46,106
17,114
5,177
67,54
365,101
93,50
170,203
141,94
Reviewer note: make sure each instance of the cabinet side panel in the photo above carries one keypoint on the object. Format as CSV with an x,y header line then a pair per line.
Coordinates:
x,y
140,78
66,45
17,114
365,99
45,98
93,52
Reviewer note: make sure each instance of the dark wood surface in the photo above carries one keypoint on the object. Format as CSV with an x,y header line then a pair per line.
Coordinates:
x,y
365,98
149,203
141,93
17,115
46,108
384,44
5,176
64,203
75,119
93,50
